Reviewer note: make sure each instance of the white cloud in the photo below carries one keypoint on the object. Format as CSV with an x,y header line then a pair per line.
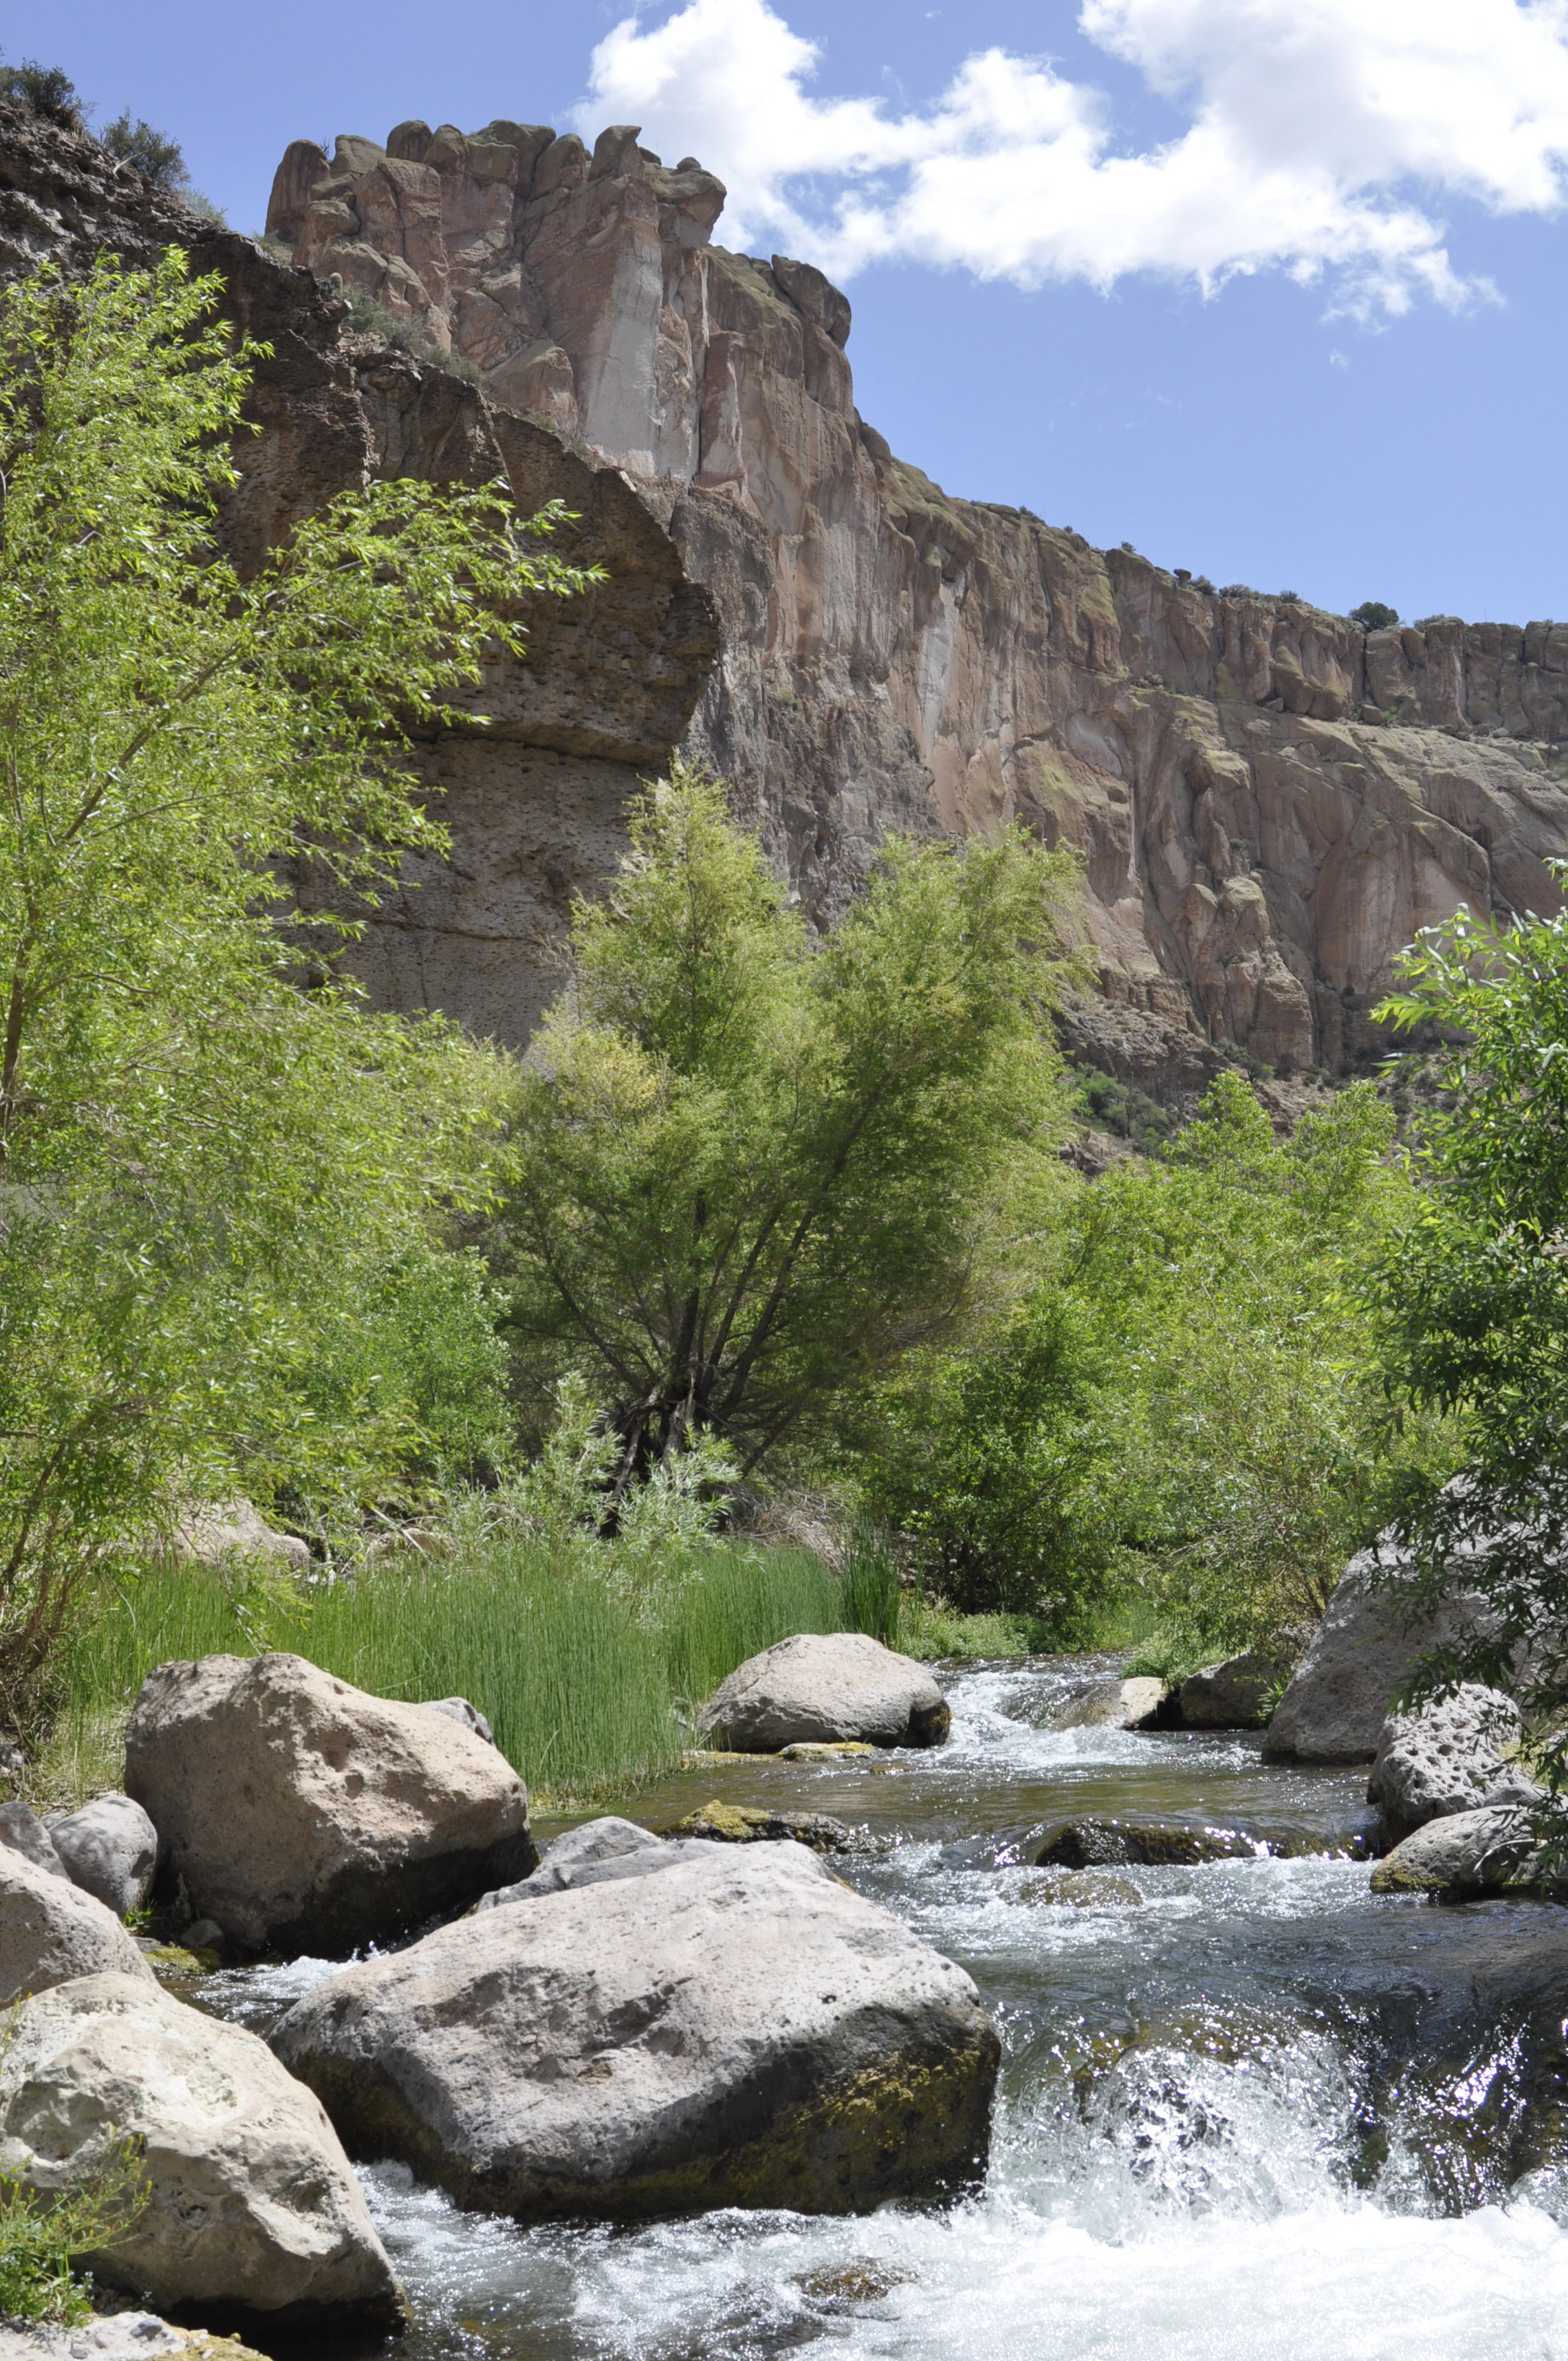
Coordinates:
x,y
1318,135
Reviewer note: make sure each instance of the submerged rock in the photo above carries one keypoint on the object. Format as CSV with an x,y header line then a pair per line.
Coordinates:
x,y
1229,1695
110,1848
1113,1705
826,1687
740,1824
1117,1844
743,2031
51,1932
301,1814
252,2201
1453,1755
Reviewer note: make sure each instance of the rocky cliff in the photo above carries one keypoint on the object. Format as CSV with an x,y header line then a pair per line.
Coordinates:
x,y
1269,800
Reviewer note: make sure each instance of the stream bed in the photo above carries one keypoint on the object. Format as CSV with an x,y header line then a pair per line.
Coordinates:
x,y
1246,2109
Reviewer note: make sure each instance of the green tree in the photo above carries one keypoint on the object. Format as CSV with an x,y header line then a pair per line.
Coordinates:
x,y
209,1176
1474,1291
751,1166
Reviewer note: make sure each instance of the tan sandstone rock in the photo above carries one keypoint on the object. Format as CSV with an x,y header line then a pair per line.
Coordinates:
x,y
301,1814
740,2029
826,1685
252,2201
50,1931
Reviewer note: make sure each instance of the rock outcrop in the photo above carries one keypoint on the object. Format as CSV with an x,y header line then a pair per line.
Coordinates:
x,y
1269,799
252,2202
301,1814
1454,1754
738,2030
825,1686
50,1932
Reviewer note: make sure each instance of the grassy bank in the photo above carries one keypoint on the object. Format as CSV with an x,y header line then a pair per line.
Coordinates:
x,y
583,1700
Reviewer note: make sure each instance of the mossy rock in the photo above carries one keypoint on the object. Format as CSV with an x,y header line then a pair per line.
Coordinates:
x,y
740,1824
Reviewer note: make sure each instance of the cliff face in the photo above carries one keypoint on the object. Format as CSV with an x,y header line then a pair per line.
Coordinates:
x,y
1269,800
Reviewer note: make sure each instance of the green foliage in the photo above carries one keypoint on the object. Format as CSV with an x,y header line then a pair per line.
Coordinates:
x,y
219,1193
750,1167
993,1465
45,91
584,1700
408,335
1124,1109
43,2230
1186,1408
1374,616
1474,1291
151,153
868,1583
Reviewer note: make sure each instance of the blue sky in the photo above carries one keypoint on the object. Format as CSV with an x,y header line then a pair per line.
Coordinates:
x,y
1272,288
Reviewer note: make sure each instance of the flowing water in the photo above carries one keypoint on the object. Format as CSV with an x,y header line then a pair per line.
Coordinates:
x,y
1246,2109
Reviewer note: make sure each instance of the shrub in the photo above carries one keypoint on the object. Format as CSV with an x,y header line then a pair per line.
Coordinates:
x,y
45,91
1374,616
41,2231
151,153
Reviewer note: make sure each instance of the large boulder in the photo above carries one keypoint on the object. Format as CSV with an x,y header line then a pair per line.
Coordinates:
x,y
109,1848
252,2201
826,1685
1229,1695
588,1854
740,2029
1464,1853
1366,1646
51,1932
301,1814
21,1830
1453,1755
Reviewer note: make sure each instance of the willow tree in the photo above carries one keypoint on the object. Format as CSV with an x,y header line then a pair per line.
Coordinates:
x,y
752,1165
200,1162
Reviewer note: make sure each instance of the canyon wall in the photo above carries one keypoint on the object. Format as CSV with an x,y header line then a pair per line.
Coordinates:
x,y
1269,799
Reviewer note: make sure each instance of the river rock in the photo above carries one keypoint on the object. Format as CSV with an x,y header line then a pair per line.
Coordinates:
x,y
591,1854
21,1830
1112,1705
302,1815
118,2336
1464,1852
742,1824
50,1931
253,2202
827,1686
1229,1695
1117,1844
742,2030
1366,1646
109,1848
468,1716
1451,1755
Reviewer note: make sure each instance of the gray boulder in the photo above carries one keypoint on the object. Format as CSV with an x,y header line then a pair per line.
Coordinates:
x,y
21,1830
302,1815
110,1848
1112,1705
466,1716
741,2030
1335,1705
253,2202
826,1685
1465,1852
1453,1755
1229,1695
50,1932
589,1855
232,1531
108,2336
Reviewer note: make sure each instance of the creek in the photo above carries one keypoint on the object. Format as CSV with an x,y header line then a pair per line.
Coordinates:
x,y
1246,2109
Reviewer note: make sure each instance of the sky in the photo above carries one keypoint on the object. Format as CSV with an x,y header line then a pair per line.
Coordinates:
x,y
1270,289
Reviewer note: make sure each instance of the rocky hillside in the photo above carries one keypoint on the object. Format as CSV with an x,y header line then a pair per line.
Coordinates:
x,y
1269,799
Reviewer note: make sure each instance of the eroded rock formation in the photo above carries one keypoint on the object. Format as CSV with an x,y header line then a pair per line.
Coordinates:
x,y
1269,800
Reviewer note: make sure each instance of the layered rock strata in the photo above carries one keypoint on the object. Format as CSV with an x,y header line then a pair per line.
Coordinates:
x,y
1269,800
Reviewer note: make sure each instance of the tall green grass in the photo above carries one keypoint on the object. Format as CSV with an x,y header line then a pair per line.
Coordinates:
x,y
583,1700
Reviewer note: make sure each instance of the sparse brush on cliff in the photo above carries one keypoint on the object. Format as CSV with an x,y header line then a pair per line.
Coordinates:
x,y
750,1167
211,1181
